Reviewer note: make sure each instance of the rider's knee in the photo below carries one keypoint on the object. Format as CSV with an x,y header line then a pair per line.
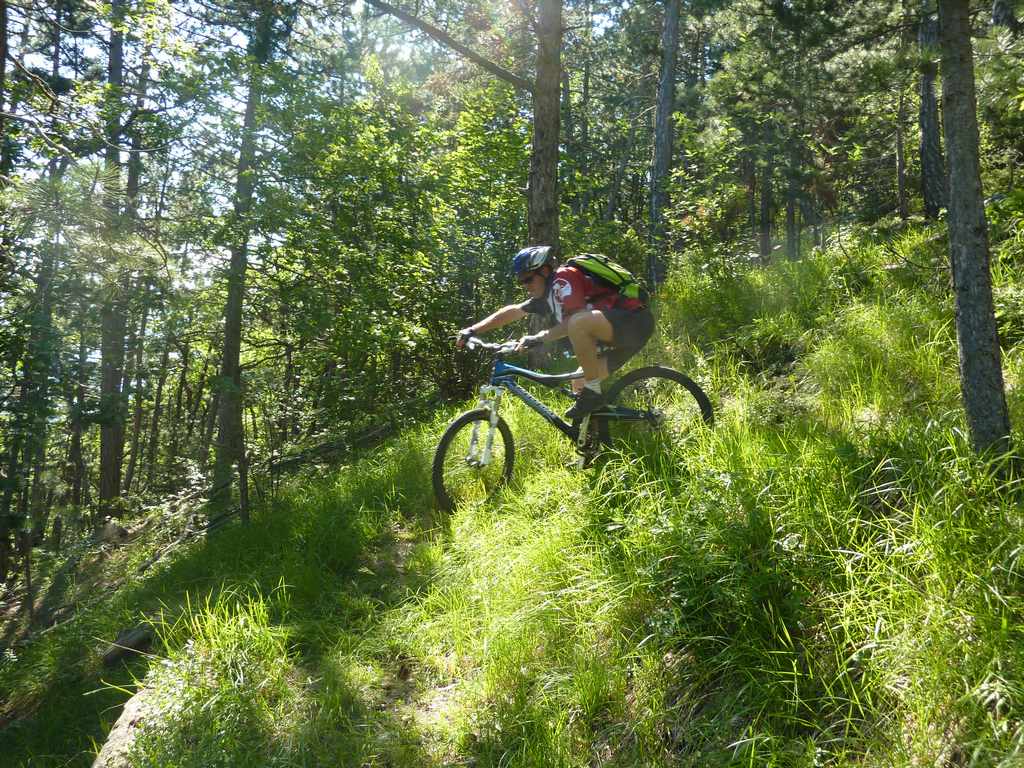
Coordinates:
x,y
589,327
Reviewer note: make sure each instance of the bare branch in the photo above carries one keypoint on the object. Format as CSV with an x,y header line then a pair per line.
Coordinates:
x,y
54,101
444,38
40,130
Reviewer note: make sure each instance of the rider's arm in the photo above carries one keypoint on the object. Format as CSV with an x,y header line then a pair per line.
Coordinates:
x,y
502,317
555,332
544,337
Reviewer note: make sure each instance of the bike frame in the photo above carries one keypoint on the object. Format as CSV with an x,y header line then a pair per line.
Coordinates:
x,y
503,378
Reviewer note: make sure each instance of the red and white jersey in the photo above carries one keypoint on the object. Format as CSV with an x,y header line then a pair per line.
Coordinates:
x,y
573,290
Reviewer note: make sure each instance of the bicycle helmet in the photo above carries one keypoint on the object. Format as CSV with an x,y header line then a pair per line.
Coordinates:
x,y
531,258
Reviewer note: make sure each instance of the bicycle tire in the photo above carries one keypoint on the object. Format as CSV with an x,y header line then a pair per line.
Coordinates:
x,y
677,401
455,480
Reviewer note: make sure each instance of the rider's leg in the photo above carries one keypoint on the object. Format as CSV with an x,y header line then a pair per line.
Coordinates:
x,y
586,328
632,330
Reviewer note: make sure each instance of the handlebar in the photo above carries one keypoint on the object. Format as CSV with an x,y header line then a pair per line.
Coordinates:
x,y
502,348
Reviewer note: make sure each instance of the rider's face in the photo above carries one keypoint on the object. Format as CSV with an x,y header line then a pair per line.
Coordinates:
x,y
533,282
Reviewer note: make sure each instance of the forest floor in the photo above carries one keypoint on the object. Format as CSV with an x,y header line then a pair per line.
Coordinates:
x,y
828,576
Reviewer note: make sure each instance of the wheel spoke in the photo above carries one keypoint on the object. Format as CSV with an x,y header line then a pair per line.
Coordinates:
x,y
673,404
459,475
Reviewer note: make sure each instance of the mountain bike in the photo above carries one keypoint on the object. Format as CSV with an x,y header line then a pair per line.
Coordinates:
x,y
476,452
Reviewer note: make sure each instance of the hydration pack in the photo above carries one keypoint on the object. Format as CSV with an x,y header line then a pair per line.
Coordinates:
x,y
607,272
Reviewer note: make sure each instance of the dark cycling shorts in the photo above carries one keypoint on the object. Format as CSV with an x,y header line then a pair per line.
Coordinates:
x,y
631,329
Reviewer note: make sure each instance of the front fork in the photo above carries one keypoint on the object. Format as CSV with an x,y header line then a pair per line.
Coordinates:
x,y
490,398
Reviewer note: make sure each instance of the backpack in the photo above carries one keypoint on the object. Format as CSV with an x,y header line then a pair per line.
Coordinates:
x,y
607,272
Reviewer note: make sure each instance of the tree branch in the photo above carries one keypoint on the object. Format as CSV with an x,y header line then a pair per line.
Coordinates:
x,y
445,39
40,130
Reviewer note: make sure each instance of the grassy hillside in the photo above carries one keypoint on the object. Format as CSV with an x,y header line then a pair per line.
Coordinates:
x,y
826,577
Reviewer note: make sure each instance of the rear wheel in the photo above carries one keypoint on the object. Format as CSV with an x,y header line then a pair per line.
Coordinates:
x,y
459,472
671,403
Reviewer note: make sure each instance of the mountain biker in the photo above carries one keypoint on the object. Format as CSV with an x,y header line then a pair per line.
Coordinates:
x,y
581,308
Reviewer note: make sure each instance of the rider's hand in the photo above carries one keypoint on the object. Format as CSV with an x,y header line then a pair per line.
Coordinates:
x,y
530,341
464,335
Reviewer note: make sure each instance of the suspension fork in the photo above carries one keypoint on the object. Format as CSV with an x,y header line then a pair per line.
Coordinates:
x,y
490,399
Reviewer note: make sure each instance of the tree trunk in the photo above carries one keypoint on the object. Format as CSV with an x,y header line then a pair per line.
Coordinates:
x,y
582,202
112,405
542,200
9,520
24,540
40,510
792,231
793,190
330,368
243,473
55,535
243,485
181,420
902,204
134,178
133,453
5,154
568,130
661,167
614,191
933,173
115,83
543,186
229,435
750,184
981,375
3,65
32,417
35,446
252,434
195,399
285,424
54,166
229,415
767,205
77,408
638,195
112,312
26,438
32,420
209,421
154,428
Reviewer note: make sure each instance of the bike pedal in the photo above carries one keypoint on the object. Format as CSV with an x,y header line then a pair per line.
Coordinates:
x,y
583,461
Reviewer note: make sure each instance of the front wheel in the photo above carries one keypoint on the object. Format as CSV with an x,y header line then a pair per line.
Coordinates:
x,y
463,471
668,405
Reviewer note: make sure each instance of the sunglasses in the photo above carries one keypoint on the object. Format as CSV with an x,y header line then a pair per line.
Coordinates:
x,y
527,279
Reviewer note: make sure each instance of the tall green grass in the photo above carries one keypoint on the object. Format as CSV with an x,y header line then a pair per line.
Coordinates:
x,y
827,577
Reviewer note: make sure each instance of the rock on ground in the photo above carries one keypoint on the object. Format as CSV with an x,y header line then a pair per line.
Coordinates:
x,y
116,750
